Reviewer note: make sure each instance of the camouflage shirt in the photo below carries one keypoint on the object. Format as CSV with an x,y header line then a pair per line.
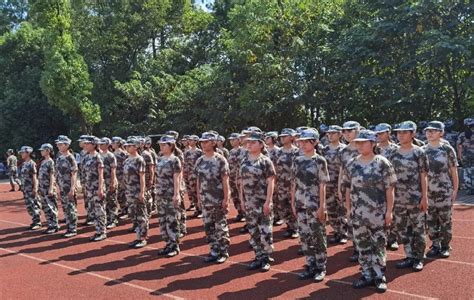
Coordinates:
x,y
110,162
408,167
190,158
132,168
347,153
165,170
82,159
46,170
284,163
368,182
148,157
12,164
235,158
467,149
91,165
452,138
273,154
254,174
120,156
387,150
27,172
210,172
440,160
66,165
225,152
331,153
307,174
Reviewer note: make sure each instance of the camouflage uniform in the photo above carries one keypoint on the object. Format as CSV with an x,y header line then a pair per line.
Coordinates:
x,y
408,219
27,172
110,162
452,138
307,174
254,174
440,190
368,183
154,157
132,168
190,158
95,205
49,203
225,152
66,165
283,185
210,172
12,170
149,161
345,155
121,156
336,209
82,180
467,148
235,157
168,214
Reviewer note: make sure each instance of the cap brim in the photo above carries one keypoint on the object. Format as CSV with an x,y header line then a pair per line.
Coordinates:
x,y
254,139
381,131
433,128
403,129
348,128
307,138
331,131
362,140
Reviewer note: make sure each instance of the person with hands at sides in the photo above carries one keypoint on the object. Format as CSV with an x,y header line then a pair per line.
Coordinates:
x,y
30,187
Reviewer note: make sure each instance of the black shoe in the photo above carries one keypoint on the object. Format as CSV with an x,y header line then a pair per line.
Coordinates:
x,y
123,216
255,264
132,244
265,265
444,252
362,282
319,275
70,233
278,222
222,258
12,190
197,213
51,230
354,257
307,274
343,239
392,245
406,263
417,265
433,252
90,222
288,233
173,252
111,225
98,237
334,239
300,251
35,226
164,251
211,258
140,244
131,230
380,284
238,218
192,207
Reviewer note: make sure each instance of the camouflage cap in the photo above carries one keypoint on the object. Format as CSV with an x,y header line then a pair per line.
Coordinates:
x,y
245,131
208,136
63,139
271,134
301,129
449,123
383,127
185,137
323,128
82,138
90,140
118,140
167,139
173,133
104,141
234,136
309,134
366,135
46,146
422,124
435,125
254,129
287,132
469,121
406,126
349,125
255,136
26,149
132,141
334,128
193,137
220,138
10,151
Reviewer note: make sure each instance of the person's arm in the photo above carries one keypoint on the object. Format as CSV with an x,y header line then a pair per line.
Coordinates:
x,y
176,182
389,194
35,184
152,173
455,178
141,196
459,148
339,185
268,206
100,192
52,181
321,214
226,188
292,197
348,202
424,191
241,194
198,194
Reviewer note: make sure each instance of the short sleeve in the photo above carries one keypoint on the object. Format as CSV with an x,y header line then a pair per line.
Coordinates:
x,y
177,167
269,168
346,180
293,171
113,161
141,166
224,167
389,177
323,174
33,168
73,163
100,162
422,162
452,158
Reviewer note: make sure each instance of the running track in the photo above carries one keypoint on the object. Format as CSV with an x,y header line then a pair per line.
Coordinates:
x,y
35,266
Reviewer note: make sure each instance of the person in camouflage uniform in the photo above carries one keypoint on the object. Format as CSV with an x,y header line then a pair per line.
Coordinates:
x,y
152,184
94,185
168,171
66,171
12,170
335,207
411,201
46,191
212,173
82,177
369,180
271,139
350,130
135,189
443,185
110,180
149,176
220,146
30,187
191,155
235,156
309,178
120,155
288,152
385,147
324,139
257,176
465,144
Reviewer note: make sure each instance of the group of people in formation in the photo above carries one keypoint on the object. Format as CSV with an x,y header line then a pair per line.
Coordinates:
x,y
367,188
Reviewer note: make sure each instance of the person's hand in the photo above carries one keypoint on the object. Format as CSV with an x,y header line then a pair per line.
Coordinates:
x,y
388,219
339,195
175,200
34,193
70,195
141,197
100,193
242,206
225,204
424,204
267,208
321,214
293,210
112,187
454,196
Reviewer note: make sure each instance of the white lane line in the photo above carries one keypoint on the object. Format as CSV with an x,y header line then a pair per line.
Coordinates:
x,y
276,270
135,286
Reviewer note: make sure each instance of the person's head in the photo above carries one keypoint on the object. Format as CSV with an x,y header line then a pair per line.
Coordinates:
x,y
234,139
117,142
81,140
173,133
308,140
334,133
220,141
192,140
25,152
434,131
132,145
287,136
208,142
90,143
365,142
255,144
406,132
167,144
350,130
10,152
46,150
63,143
271,138
383,131
147,142
104,144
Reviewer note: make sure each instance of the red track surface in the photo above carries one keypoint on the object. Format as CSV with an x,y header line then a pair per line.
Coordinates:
x,y
35,266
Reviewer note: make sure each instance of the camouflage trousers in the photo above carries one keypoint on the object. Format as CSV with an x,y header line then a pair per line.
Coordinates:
x,y
336,211
409,224
168,219
96,211
235,195
111,206
370,241
13,177
468,178
182,214
32,207
137,212
260,229
122,198
350,229
283,208
216,228
86,203
191,182
149,200
69,209
312,237
49,204
439,218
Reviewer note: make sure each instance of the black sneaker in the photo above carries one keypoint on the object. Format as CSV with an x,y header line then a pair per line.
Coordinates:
x,y
392,245
433,252
140,244
196,214
380,284
111,225
354,257
265,265
288,233
278,222
70,233
319,275
362,282
222,258
98,237
343,240
123,216
35,226
238,218
334,239
51,230
307,274
173,252
444,252
300,251
192,207
132,244
90,222
295,235
131,230
254,265
164,251
417,265
406,263
211,258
